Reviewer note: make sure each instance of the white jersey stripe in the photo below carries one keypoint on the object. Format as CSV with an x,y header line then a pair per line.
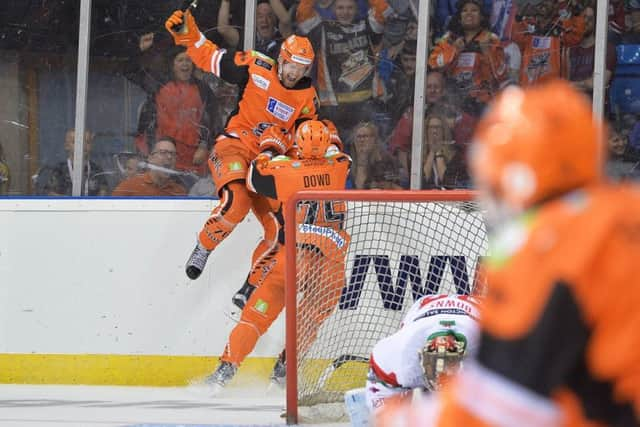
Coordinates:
x,y
501,402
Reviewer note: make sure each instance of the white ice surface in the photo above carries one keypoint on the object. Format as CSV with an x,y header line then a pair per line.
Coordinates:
x,y
97,406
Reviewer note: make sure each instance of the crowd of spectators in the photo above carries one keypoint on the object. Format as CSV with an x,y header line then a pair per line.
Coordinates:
x,y
365,75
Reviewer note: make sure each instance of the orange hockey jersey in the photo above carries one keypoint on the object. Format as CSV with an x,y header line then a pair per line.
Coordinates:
x,y
560,341
320,223
264,100
478,69
542,53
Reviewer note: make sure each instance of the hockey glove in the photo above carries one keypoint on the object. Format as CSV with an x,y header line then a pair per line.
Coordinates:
x,y
191,32
263,159
333,132
276,140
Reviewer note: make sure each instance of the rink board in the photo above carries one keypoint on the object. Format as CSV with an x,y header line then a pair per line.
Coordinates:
x,y
94,292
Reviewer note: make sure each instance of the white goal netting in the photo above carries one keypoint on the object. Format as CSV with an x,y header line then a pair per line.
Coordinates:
x,y
357,276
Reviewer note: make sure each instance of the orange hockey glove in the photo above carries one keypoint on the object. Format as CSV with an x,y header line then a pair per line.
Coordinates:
x,y
275,139
192,34
333,132
263,159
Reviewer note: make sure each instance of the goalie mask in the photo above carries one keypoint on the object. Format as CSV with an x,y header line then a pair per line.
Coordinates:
x,y
442,356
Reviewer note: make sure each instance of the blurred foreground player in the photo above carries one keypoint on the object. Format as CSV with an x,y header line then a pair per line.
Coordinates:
x,y
324,246
559,341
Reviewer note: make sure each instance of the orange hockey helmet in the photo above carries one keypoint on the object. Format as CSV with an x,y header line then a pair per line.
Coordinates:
x,y
297,49
313,139
537,143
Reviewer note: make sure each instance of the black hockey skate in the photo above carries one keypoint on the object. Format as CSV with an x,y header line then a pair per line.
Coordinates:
x,y
197,261
242,295
220,377
279,373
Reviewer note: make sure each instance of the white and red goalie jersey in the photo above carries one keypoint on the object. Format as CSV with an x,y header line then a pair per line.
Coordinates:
x,y
395,366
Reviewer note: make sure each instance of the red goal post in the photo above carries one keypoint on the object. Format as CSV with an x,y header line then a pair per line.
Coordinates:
x,y
448,218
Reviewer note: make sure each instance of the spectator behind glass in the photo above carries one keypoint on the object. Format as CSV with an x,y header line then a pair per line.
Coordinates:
x,y
435,100
443,164
326,11
345,75
157,180
56,180
471,57
542,38
366,153
581,57
5,173
446,9
622,161
617,20
273,24
179,106
401,84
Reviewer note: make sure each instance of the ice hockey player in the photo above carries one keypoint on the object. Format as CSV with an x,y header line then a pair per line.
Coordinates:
x,y
559,324
436,334
278,178
273,93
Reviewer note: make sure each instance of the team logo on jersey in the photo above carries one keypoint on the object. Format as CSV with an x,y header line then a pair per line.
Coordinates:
x,y
279,109
261,306
260,81
235,166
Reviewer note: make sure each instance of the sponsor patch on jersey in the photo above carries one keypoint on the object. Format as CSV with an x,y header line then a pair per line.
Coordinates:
x,y
541,42
235,166
261,306
327,232
279,109
306,110
466,60
296,164
264,64
260,81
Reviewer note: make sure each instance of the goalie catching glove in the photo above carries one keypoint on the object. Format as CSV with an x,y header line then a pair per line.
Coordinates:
x,y
192,34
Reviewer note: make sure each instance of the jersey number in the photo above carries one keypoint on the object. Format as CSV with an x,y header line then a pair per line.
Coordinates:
x,y
330,215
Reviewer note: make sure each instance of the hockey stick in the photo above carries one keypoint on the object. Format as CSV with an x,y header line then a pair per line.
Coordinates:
x,y
186,6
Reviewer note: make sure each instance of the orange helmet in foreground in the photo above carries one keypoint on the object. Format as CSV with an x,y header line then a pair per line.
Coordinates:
x,y
297,49
313,139
537,143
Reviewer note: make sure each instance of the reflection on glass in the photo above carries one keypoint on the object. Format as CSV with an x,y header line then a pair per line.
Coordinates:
x,y
38,47
142,87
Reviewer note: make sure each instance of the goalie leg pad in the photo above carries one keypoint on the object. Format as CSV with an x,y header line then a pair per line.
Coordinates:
x,y
356,406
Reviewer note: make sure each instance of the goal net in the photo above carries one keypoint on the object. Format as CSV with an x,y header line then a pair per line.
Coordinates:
x,y
359,261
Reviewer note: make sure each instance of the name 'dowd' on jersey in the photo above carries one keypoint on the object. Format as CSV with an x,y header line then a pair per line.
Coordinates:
x,y
318,180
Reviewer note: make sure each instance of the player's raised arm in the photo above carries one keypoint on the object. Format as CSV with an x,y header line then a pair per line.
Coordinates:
x,y
205,54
